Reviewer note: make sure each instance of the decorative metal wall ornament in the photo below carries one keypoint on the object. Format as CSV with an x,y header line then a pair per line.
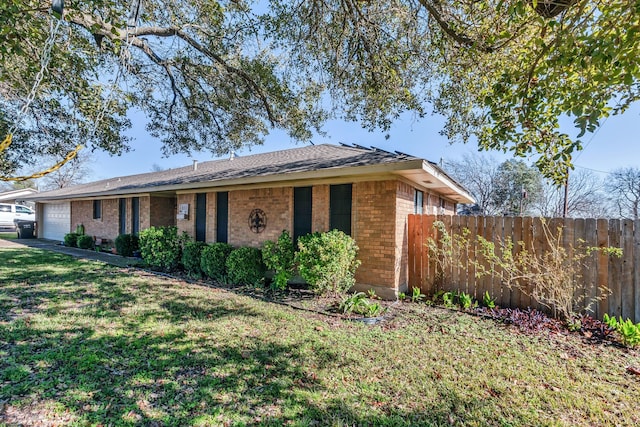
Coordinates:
x,y
257,220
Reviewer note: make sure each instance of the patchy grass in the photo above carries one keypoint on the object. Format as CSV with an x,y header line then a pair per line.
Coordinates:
x,y
8,235
82,343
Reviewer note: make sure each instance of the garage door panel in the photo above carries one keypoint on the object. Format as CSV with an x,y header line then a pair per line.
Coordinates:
x,y
56,221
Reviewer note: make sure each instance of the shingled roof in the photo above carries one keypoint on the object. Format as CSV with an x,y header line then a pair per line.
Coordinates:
x,y
324,160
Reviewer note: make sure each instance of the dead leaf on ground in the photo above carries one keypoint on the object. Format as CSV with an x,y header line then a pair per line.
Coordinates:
x,y
633,370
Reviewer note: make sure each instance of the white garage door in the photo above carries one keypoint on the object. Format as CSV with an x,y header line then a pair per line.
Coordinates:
x,y
55,221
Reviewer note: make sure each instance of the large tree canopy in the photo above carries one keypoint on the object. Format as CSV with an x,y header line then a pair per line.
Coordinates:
x,y
215,75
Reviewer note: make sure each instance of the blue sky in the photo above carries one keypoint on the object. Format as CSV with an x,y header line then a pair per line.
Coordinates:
x,y
615,145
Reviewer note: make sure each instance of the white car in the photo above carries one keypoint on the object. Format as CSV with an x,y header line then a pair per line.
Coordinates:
x,y
10,213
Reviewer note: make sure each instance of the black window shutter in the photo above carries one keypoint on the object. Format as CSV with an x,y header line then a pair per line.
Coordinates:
x,y
201,217
123,215
222,216
135,215
302,209
340,207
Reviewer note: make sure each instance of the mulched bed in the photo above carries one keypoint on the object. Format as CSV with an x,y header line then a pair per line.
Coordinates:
x,y
528,321
535,321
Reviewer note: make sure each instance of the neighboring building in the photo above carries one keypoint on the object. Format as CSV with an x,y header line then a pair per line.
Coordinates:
x,y
18,197
367,193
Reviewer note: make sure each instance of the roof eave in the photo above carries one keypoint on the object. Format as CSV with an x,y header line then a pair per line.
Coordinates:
x,y
266,179
416,170
433,178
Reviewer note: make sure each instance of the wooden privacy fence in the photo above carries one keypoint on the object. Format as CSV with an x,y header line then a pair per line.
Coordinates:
x,y
621,275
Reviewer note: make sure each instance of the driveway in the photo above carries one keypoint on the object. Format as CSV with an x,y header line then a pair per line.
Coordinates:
x,y
54,246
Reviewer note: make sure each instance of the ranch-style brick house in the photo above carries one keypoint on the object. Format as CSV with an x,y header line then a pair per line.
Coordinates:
x,y
244,201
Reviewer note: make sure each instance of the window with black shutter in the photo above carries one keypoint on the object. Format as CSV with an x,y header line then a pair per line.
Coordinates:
x,y
201,217
135,215
222,216
122,207
302,208
340,208
97,209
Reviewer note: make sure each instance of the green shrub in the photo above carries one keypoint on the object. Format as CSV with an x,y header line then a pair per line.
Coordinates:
x,y
278,256
71,240
85,242
213,260
126,244
245,266
161,247
191,254
327,261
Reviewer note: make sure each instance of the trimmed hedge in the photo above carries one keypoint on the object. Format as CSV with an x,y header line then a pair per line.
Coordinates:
x,y
161,247
327,261
245,266
191,254
71,240
85,242
127,244
213,260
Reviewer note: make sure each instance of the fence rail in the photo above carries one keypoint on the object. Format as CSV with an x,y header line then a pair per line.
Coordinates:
x,y
621,275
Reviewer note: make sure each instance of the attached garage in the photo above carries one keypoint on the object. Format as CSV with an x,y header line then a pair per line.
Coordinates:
x,y
54,220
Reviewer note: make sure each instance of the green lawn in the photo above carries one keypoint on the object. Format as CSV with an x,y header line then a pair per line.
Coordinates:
x,y
82,343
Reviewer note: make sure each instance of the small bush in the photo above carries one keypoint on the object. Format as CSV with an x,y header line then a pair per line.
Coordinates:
x,y
85,242
278,256
628,331
245,266
327,261
213,260
71,240
358,303
191,258
126,244
161,247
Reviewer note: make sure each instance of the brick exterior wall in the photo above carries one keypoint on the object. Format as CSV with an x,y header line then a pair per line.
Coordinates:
x,y
187,225
154,211
433,203
404,206
277,204
320,211
162,211
212,200
380,212
145,212
105,227
373,228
